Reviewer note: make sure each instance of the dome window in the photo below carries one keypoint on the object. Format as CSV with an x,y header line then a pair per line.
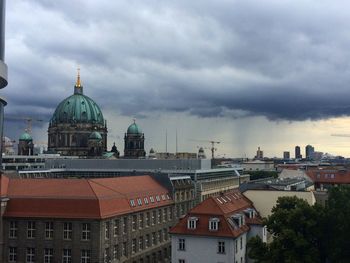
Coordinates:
x,y
83,102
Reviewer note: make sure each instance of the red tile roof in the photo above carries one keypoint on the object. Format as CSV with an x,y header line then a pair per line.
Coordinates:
x,y
329,176
221,207
79,198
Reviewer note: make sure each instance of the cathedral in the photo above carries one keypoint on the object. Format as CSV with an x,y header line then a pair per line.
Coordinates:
x,y
77,126
134,141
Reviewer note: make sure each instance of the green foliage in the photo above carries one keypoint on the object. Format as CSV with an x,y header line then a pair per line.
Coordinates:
x,y
254,175
304,233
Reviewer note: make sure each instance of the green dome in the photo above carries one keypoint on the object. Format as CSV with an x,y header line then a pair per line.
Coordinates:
x,y
25,137
78,108
95,136
134,129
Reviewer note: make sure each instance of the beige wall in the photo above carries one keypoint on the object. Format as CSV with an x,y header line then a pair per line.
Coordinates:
x,y
265,200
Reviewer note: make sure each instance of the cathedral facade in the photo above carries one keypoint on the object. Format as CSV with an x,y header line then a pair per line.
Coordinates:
x,y
77,127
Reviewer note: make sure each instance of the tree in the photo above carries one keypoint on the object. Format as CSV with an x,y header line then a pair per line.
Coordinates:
x,y
297,231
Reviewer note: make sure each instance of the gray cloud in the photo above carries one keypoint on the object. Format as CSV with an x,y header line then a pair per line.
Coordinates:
x,y
279,59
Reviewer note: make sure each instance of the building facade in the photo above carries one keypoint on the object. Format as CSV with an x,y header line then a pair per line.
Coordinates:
x,y
73,122
298,153
216,230
123,219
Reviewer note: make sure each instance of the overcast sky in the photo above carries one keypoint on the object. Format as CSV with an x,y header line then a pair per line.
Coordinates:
x,y
247,73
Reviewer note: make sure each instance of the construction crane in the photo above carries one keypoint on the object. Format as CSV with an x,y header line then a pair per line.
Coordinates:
x,y
29,121
212,149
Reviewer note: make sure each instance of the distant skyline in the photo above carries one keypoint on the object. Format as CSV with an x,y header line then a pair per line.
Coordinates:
x,y
273,74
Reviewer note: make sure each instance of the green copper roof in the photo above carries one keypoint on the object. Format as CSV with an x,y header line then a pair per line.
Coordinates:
x,y
25,137
134,129
78,108
95,136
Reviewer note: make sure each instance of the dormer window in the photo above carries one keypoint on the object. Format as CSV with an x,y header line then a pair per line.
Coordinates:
x,y
145,200
192,222
157,198
250,212
132,202
214,224
139,201
238,219
152,199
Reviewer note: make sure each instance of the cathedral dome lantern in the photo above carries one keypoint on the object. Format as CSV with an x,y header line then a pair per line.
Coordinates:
x,y
75,119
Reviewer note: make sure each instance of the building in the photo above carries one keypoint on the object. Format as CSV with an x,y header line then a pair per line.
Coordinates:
x,y
286,155
123,219
297,153
325,178
258,165
309,152
3,69
216,230
259,154
25,144
73,122
185,155
134,141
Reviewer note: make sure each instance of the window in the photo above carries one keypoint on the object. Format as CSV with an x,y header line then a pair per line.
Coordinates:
x,y
181,244
133,246
147,241
49,230
145,200
159,215
148,219
48,255
141,216
141,243
86,230
167,196
107,230
163,197
139,201
13,229
115,252
124,249
116,227
192,222
153,238
67,256
241,242
152,199
30,255
165,213
67,231
214,224
154,215
134,222
12,254
221,247
106,255
125,225
181,261
132,202
31,229
157,198
85,256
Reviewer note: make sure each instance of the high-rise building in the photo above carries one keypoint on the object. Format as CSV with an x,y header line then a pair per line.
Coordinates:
x,y
3,69
297,153
309,151
286,155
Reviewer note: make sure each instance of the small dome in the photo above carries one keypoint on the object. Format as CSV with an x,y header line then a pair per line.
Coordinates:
x,y
25,137
95,136
151,151
201,150
134,129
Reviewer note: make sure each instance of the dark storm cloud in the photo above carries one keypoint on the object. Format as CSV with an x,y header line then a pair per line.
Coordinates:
x,y
280,59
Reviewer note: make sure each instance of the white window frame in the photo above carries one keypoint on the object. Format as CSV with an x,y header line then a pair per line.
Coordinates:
x,y
145,200
214,224
49,230
31,229
67,230
48,255
30,255
13,229
181,244
152,199
139,201
221,247
86,231
85,256
67,256
192,222
132,202
157,198
12,254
